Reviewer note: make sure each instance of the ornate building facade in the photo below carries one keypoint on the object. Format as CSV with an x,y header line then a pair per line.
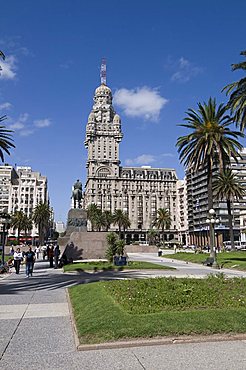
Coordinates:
x,y
22,189
138,191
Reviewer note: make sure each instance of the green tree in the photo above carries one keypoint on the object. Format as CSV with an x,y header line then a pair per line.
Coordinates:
x,y
2,56
92,215
6,141
153,236
120,247
125,224
227,186
121,219
112,240
18,222
27,224
237,92
108,219
41,218
210,141
98,220
163,221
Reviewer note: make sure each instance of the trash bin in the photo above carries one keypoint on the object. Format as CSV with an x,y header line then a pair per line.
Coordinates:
x,y
159,253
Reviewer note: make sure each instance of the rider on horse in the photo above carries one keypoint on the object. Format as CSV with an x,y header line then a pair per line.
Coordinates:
x,y
77,194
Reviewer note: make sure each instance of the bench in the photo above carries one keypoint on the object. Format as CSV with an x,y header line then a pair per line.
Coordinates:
x,y
209,261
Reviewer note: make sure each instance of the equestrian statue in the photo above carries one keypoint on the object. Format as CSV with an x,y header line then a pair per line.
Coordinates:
x,y
77,194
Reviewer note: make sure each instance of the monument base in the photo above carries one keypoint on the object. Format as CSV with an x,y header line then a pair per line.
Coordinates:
x,y
78,243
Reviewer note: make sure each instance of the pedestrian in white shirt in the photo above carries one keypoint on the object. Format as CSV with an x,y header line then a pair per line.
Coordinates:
x,y
17,260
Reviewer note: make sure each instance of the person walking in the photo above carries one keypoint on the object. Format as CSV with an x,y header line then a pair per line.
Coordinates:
x,y
37,251
56,255
30,259
17,260
51,255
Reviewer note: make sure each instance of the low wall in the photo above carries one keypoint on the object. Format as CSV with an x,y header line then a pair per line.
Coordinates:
x,y
85,245
141,249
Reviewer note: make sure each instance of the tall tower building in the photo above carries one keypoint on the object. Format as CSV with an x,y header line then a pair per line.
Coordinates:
x,y
103,135
139,192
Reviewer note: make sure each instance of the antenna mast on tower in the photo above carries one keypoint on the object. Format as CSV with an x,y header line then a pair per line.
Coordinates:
x,y
103,72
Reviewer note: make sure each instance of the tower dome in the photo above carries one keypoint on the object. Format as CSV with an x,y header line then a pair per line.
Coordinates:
x,y
103,90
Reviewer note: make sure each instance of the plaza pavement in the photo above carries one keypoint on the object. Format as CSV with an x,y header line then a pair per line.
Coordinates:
x,y
36,330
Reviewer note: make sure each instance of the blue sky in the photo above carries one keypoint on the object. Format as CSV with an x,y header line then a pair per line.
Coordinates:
x,y
162,58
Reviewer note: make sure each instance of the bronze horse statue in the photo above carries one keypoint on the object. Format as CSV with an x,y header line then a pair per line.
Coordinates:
x,y
77,194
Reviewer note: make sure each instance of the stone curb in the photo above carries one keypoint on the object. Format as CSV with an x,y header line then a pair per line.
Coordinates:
x,y
74,328
162,341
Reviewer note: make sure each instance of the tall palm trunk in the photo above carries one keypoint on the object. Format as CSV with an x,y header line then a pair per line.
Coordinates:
x,y
119,225
18,235
210,206
228,203
41,233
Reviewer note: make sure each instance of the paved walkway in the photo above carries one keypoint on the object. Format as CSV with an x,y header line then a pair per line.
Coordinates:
x,y
36,332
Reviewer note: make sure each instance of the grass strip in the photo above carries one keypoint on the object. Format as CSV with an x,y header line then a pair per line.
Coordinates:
x,y
236,260
132,265
101,316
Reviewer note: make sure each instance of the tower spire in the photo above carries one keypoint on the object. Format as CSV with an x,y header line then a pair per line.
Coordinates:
x,y
103,72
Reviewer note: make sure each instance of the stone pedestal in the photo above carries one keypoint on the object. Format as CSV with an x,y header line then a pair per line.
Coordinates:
x,y
78,243
76,221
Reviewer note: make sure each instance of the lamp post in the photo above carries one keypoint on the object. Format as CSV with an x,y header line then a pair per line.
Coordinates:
x,y
5,221
211,221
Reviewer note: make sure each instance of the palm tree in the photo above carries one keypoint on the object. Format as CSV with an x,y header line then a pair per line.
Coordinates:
x,y
98,220
163,221
112,240
27,224
5,139
121,219
211,140
237,91
2,55
125,224
226,186
152,236
108,219
18,222
41,218
5,134
93,215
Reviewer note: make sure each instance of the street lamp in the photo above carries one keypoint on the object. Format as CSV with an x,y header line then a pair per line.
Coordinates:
x,y
211,221
5,221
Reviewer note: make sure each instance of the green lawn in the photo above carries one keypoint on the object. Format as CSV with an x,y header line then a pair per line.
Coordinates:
x,y
125,309
132,265
236,260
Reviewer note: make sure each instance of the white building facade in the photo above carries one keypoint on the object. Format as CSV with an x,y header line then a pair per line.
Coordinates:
x,y
22,189
139,192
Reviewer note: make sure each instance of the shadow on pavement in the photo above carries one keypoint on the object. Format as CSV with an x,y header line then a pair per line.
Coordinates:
x,y
50,279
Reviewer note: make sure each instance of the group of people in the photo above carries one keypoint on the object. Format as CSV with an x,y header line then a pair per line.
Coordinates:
x,y
52,254
29,257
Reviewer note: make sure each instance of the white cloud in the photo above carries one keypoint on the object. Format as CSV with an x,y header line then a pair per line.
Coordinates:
x,y
17,126
185,70
140,102
8,68
146,159
20,123
24,127
141,160
5,106
26,132
66,64
40,123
